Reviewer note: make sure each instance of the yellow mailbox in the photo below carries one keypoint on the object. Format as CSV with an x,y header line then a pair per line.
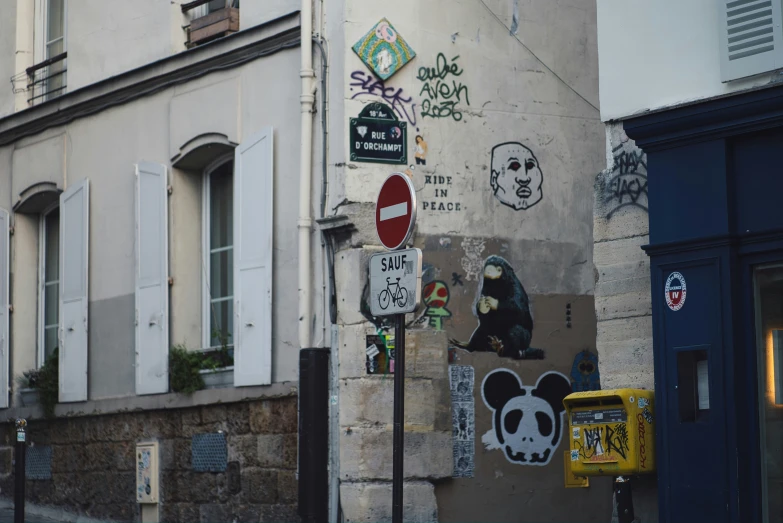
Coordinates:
x,y
612,432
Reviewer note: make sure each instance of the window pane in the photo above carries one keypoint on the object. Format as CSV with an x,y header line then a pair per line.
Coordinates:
x,y
51,304
221,208
55,18
50,341
222,320
214,5
769,322
221,265
52,246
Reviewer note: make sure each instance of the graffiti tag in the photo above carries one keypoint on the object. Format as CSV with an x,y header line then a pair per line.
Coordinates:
x,y
642,449
628,184
442,94
366,84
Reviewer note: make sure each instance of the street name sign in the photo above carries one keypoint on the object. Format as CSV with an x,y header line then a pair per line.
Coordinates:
x,y
377,136
395,282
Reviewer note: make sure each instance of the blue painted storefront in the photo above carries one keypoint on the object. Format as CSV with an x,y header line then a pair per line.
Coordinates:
x,y
716,211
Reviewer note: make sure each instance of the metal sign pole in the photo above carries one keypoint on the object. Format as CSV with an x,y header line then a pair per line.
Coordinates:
x,y
399,417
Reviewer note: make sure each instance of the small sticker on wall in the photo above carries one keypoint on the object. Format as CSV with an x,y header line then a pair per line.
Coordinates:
x,y
643,403
575,433
575,455
675,291
631,399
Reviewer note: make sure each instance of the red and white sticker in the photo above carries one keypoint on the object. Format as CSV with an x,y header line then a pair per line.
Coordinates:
x,y
675,291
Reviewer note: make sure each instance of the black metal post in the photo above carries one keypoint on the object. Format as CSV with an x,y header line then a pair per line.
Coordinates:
x,y
399,417
624,500
19,474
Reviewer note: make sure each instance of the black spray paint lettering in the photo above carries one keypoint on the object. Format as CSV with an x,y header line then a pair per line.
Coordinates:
x,y
368,85
440,191
617,439
628,184
441,93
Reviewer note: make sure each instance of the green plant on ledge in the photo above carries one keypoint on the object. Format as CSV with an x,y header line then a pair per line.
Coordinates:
x,y
184,366
48,383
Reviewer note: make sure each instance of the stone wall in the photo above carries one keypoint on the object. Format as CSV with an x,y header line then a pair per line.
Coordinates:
x,y
93,463
622,288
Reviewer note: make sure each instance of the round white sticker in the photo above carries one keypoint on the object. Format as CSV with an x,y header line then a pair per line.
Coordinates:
x,y
675,291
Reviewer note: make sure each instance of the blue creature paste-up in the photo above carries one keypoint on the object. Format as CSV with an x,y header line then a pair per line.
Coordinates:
x,y
584,372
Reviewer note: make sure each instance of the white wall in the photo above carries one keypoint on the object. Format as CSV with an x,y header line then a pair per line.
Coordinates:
x,y
658,54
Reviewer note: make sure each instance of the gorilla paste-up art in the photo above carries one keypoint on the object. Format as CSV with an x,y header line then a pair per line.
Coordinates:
x,y
527,422
584,372
505,325
516,177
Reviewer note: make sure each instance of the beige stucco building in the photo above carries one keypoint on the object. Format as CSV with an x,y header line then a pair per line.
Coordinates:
x,y
173,173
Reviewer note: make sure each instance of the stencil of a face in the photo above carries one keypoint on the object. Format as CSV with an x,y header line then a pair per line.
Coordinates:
x,y
516,177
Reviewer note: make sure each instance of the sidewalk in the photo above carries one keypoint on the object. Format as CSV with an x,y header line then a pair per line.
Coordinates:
x,y
7,516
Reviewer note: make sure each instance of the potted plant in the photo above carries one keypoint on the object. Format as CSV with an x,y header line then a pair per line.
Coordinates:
x,y
217,368
28,387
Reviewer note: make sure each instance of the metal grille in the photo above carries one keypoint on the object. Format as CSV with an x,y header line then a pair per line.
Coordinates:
x,y
750,28
209,452
38,462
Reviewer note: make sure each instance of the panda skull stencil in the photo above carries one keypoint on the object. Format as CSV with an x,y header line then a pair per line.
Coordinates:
x,y
516,177
527,421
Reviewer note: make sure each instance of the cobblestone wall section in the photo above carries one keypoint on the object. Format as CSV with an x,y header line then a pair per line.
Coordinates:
x,y
93,463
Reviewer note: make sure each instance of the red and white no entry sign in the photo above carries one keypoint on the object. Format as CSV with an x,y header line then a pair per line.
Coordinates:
x,y
395,211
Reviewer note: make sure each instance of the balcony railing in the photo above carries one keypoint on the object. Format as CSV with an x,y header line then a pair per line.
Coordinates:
x,y
47,79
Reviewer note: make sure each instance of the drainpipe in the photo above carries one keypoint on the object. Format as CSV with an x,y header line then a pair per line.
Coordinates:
x,y
305,222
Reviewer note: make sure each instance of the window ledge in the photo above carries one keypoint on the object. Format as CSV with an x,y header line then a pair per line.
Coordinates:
x,y
172,400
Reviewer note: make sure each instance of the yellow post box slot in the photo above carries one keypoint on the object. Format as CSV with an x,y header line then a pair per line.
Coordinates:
x,y
612,432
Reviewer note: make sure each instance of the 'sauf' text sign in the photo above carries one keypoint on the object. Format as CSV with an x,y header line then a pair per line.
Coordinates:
x,y
395,282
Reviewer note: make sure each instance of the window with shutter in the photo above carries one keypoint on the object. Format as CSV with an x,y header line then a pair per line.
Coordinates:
x,y
74,256
152,293
49,283
253,195
4,279
751,38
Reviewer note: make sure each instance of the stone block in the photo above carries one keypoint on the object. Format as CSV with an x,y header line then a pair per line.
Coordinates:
x,y
426,354
274,416
287,486
366,454
68,458
191,416
371,502
234,416
210,513
623,250
198,487
625,353
350,271
624,305
279,514
246,513
269,448
353,345
259,486
370,400
290,450
243,449
6,457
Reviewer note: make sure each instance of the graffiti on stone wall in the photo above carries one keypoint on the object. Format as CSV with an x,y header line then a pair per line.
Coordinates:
x,y
627,184
436,297
441,91
584,372
473,260
527,422
516,177
420,150
438,199
364,84
461,380
505,324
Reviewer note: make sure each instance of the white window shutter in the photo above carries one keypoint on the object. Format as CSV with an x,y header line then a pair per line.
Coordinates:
x,y
152,269
4,268
751,37
74,257
253,173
